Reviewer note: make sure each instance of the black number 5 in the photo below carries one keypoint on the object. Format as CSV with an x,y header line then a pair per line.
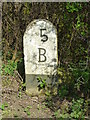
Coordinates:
x,y
43,35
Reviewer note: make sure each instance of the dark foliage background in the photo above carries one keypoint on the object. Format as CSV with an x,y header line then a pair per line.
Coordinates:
x,y
71,21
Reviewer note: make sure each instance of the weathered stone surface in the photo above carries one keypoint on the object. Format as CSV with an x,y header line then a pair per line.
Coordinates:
x,y
40,50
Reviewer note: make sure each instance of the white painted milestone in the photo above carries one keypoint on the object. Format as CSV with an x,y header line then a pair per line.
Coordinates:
x,y
40,48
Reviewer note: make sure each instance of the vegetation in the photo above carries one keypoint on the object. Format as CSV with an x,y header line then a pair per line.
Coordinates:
x,y
71,21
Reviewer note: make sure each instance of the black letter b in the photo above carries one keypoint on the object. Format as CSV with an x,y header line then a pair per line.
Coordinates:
x,y
42,52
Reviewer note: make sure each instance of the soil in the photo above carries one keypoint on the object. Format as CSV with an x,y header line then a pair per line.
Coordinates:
x,y
17,104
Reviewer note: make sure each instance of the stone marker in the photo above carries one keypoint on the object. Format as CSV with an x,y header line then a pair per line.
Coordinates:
x,y
40,53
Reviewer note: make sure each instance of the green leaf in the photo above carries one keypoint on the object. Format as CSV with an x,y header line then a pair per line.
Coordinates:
x,y
2,107
28,113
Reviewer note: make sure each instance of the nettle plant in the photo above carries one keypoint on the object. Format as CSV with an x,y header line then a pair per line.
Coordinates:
x,y
9,68
42,83
78,108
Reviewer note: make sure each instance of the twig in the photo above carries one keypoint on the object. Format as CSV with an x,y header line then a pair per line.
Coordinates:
x,y
19,75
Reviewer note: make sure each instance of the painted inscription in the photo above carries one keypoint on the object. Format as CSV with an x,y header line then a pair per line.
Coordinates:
x,y
40,48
